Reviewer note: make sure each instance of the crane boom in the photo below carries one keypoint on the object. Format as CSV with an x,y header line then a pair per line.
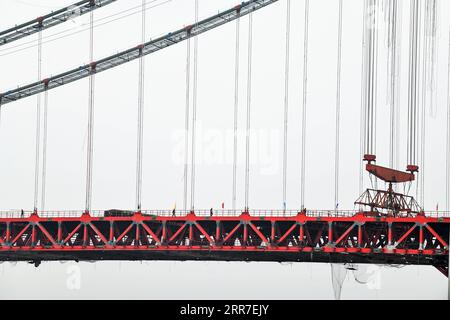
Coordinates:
x,y
131,54
50,20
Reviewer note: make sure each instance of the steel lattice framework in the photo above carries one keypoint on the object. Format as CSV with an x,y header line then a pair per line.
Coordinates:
x,y
131,54
50,20
352,238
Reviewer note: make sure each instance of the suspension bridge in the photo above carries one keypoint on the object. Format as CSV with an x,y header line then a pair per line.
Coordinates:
x,y
388,227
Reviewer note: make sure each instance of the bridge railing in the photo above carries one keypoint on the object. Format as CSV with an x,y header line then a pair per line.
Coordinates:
x,y
13,214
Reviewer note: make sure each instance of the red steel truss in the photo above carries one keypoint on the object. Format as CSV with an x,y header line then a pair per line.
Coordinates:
x,y
317,237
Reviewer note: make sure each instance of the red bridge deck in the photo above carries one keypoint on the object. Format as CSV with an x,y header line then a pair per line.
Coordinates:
x,y
355,237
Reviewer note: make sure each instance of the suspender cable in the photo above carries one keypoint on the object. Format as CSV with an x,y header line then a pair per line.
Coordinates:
x,y
286,100
428,90
90,147
447,167
44,151
194,111
413,86
425,78
338,109
392,83
371,76
38,127
363,113
236,109
433,55
304,109
249,100
140,126
186,124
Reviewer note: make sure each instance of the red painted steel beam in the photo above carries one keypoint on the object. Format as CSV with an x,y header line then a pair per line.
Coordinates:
x,y
54,236
388,174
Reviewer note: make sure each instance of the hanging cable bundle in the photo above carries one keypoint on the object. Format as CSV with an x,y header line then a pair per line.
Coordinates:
x,y
286,101
44,149
304,109
236,109
393,63
38,127
413,87
140,125
363,95
338,109
186,119
370,78
447,167
90,147
249,100
428,86
194,112
432,35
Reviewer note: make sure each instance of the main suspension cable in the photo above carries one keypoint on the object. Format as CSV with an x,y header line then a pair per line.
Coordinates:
x,y
304,109
140,126
194,112
90,147
286,100
236,110
249,100
338,109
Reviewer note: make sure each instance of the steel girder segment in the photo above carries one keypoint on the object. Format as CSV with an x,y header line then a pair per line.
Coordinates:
x,y
393,240
118,59
50,20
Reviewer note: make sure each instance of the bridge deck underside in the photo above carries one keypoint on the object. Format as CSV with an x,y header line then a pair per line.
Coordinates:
x,y
358,239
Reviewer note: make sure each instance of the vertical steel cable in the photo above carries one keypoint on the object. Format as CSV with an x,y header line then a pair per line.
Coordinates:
x,y
363,113
338,109
194,111
90,147
44,152
425,78
447,167
377,5
433,56
186,115
38,126
249,100
236,109
391,76
371,76
140,126
399,44
393,85
304,109
286,100
413,82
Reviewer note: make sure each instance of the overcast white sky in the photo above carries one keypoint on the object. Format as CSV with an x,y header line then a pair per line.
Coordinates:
x,y
115,136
